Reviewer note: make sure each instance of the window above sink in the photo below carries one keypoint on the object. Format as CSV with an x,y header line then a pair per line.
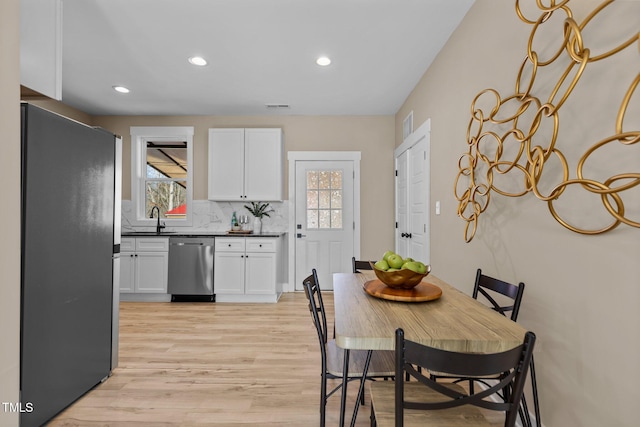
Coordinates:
x,y
161,162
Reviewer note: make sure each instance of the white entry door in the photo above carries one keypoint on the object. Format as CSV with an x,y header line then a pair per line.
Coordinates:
x,y
324,219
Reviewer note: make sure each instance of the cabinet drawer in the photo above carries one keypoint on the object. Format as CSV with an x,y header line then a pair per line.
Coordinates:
x,y
152,244
127,244
257,244
230,244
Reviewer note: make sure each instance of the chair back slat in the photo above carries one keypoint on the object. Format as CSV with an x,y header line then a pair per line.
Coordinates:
x,y
511,366
484,285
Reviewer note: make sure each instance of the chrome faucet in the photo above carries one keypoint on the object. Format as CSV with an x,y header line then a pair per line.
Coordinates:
x,y
159,227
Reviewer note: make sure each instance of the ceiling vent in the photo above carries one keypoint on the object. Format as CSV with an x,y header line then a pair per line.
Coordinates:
x,y
277,106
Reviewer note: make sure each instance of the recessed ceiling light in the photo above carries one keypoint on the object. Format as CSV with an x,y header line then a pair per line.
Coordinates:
x,y
323,61
121,89
198,60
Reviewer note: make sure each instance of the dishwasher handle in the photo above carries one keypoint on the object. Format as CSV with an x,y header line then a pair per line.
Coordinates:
x,y
190,241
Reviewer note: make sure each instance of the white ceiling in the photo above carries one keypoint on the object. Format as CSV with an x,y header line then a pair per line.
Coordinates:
x,y
259,52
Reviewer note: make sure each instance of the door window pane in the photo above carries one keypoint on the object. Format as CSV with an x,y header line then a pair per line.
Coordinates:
x,y
312,218
324,218
324,199
324,181
312,199
336,179
312,179
336,199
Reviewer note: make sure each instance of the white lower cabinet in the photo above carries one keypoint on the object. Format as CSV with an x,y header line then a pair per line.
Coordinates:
x,y
248,269
144,265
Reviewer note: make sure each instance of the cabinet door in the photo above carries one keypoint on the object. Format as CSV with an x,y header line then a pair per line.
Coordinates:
x,y
226,164
263,164
228,273
151,272
261,273
127,272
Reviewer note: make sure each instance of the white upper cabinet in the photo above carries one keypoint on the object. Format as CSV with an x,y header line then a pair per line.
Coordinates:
x,y
245,164
226,164
41,46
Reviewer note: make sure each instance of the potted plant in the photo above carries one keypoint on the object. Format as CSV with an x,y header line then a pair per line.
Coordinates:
x,y
258,210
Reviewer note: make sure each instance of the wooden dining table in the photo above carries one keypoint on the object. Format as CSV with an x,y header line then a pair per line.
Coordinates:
x,y
455,322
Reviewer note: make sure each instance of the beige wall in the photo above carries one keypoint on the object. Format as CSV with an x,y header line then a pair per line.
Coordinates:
x,y
373,136
10,216
582,291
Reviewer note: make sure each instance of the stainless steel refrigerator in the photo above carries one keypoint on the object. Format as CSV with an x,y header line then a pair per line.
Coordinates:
x,y
69,254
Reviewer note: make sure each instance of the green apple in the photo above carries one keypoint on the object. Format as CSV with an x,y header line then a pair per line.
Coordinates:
x,y
387,255
406,261
382,265
422,269
413,266
395,261
393,269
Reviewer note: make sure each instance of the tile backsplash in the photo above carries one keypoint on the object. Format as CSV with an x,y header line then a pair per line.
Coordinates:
x,y
215,216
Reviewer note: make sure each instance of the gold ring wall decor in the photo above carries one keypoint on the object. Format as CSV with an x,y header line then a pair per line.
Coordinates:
x,y
503,137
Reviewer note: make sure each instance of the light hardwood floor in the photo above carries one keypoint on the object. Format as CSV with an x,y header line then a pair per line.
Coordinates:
x,y
198,364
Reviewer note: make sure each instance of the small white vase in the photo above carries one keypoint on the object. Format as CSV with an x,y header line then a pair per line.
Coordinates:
x,y
257,225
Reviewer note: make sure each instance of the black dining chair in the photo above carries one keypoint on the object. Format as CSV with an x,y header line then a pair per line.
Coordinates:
x,y
360,265
428,402
332,357
505,298
489,288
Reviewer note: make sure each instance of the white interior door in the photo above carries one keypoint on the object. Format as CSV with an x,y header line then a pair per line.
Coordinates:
x,y
324,219
418,189
412,195
402,207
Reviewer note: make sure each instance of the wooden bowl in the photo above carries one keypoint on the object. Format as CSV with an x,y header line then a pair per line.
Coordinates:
x,y
400,279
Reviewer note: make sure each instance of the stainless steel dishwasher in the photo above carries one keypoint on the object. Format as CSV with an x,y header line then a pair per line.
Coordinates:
x,y
191,269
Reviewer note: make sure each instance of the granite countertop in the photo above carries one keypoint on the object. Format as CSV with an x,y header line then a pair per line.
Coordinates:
x,y
199,234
